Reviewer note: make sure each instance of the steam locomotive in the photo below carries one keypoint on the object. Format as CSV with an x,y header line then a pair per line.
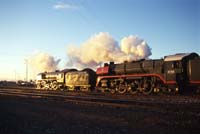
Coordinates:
x,y
69,79
174,73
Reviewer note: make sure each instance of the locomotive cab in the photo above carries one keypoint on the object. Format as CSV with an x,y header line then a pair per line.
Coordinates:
x,y
176,69
194,74
40,76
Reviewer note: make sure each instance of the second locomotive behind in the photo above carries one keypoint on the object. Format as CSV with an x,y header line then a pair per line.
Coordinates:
x,y
69,79
174,73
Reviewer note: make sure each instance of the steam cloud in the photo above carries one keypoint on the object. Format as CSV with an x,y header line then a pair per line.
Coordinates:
x,y
42,62
102,47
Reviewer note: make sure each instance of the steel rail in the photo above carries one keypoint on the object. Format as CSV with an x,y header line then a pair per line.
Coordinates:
x,y
146,100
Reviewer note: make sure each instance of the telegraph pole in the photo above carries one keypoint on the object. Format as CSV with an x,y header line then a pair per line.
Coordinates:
x,y
26,62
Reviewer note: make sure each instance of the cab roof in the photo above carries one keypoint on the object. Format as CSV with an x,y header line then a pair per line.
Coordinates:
x,y
179,56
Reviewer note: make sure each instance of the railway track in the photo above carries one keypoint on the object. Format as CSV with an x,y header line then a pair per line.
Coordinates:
x,y
102,98
35,111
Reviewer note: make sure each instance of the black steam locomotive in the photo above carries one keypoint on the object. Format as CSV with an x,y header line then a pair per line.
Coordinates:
x,y
69,79
174,73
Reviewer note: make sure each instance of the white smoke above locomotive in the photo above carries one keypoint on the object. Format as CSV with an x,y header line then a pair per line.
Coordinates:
x,y
99,48
43,62
103,47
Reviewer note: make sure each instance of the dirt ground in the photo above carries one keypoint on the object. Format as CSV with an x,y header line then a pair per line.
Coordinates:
x,y
20,115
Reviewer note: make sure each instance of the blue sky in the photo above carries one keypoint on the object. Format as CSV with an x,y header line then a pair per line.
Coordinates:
x,y
26,26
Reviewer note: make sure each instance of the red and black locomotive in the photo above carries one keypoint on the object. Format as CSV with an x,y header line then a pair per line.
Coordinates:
x,y
174,73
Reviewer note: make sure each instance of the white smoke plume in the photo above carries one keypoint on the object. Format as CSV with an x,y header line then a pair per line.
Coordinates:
x,y
135,47
43,62
102,47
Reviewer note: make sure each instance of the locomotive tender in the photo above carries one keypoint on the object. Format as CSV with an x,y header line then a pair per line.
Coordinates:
x,y
174,73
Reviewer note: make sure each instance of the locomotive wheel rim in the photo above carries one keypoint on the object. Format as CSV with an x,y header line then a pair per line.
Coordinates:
x,y
54,86
72,88
121,90
84,89
146,92
133,91
112,91
148,89
38,86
